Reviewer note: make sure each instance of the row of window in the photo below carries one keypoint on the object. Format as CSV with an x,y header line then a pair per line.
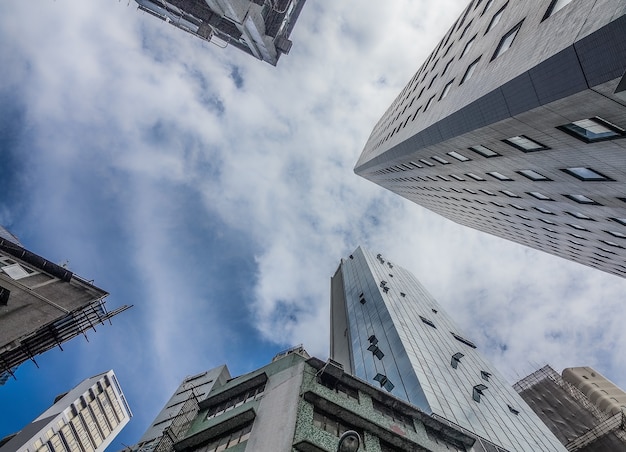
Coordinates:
x,y
504,44
236,400
227,440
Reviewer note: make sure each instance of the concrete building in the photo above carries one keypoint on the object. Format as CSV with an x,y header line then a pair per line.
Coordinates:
x,y
85,419
182,406
260,28
514,126
577,419
42,305
388,330
304,404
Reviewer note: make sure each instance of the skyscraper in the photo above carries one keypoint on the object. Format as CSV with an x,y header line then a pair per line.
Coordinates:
x,y
585,411
514,126
42,305
299,403
387,329
260,28
85,419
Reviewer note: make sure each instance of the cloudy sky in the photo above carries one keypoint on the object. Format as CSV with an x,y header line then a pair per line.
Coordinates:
x,y
215,193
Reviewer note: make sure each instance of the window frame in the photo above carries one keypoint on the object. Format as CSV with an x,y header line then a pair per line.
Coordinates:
x,y
512,32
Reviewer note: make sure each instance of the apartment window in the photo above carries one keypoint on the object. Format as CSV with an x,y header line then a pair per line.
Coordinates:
x,y
236,400
376,351
617,234
468,46
484,151
440,160
474,176
507,41
465,30
445,69
393,414
593,130
446,89
510,194
577,226
463,340
536,194
580,216
459,178
555,6
458,156
416,165
525,144
544,210
331,424
488,5
477,391
469,71
513,410
228,440
582,199
485,375
498,175
443,177
427,163
487,192
496,18
533,175
339,388
456,359
608,242
621,221
586,174
427,322
515,206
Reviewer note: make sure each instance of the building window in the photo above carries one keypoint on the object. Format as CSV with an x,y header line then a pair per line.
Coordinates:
x,y
536,194
440,160
484,151
331,424
488,5
525,144
582,199
477,391
586,174
621,221
427,322
456,359
487,192
498,175
429,103
236,400
515,206
384,382
496,18
544,210
446,89
458,156
474,176
376,351
442,177
577,226
470,71
555,6
507,41
339,388
393,414
580,216
593,130
533,175
426,162
228,440
468,46
617,234
459,178
510,194
513,410
463,340
485,375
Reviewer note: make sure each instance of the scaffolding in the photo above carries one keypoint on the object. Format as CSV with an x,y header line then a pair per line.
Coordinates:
x,y
579,424
179,426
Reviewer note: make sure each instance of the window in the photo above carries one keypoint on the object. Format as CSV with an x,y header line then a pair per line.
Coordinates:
x,y
510,194
228,440
487,192
429,103
458,156
555,6
586,174
376,351
621,221
617,234
468,46
463,340
339,388
544,210
427,322
488,5
426,162
581,199
580,215
470,71
440,160
525,144
484,151
16,271
445,69
384,382
496,18
515,206
513,410
446,89
485,375
536,194
456,359
608,242
331,424
236,400
474,176
533,175
4,296
577,226
459,178
498,175
592,130
507,41
393,414
478,391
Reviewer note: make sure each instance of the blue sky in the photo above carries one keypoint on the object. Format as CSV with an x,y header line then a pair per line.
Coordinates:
x,y
215,193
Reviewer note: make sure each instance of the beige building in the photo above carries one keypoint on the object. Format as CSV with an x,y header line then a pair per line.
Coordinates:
x,y
599,390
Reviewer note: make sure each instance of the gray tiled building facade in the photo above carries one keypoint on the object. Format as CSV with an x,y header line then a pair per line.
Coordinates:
x,y
388,330
514,126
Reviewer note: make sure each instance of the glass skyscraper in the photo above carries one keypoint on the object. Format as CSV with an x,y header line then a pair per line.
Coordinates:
x,y
388,330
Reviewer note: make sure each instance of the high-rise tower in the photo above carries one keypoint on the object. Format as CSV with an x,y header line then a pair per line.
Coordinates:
x,y
515,126
386,328
85,419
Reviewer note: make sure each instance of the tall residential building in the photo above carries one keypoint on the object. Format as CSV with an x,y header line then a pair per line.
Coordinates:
x,y
585,411
42,305
260,28
85,419
298,403
514,126
387,329
173,420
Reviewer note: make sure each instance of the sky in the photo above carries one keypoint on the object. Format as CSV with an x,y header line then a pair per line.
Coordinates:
x,y
216,194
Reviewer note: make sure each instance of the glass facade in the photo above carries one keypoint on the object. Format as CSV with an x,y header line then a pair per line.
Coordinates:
x,y
419,341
